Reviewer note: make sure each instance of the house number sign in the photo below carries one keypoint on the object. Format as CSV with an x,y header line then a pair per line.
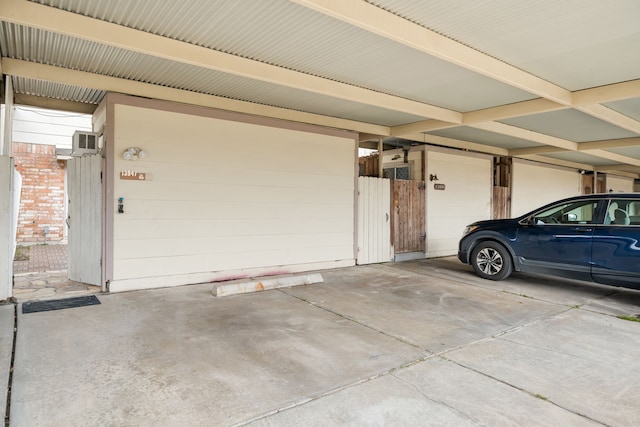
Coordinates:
x,y
133,175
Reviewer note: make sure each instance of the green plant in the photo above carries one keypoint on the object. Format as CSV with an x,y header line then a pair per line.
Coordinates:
x,y
635,318
22,253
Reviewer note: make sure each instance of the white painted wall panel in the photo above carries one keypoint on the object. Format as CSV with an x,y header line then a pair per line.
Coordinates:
x,y
40,126
466,198
535,184
228,196
619,184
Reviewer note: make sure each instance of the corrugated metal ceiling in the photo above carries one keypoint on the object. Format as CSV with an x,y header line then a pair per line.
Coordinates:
x,y
300,39
574,44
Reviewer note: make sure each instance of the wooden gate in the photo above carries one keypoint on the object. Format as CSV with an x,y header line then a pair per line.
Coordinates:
x,y
84,252
407,216
374,225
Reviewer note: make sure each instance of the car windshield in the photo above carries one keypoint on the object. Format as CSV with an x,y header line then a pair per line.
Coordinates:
x,y
576,212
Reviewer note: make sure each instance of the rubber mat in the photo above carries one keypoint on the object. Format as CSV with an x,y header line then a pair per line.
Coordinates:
x,y
59,304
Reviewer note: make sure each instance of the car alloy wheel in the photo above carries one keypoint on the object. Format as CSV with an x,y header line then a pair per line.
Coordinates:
x,y
491,260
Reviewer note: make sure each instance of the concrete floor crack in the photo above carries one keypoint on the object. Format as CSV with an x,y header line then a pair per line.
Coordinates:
x,y
530,393
351,319
439,402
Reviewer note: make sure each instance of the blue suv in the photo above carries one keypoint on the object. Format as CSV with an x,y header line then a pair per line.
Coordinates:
x,y
594,237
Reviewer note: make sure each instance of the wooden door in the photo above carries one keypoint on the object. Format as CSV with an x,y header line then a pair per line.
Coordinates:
x,y
408,216
84,251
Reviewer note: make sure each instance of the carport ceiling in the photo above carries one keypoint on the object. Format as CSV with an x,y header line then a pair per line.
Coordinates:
x,y
554,81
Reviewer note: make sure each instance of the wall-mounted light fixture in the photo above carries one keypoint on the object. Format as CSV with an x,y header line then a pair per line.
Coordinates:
x,y
134,153
433,177
396,157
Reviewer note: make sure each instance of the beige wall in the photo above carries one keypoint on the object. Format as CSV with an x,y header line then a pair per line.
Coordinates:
x,y
536,184
619,184
466,198
226,199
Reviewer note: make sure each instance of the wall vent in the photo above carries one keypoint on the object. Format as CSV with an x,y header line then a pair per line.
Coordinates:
x,y
84,143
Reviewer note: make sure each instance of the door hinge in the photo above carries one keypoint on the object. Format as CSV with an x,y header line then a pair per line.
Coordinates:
x,y
423,236
422,186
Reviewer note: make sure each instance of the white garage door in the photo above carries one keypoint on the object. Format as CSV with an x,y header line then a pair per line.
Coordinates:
x,y
226,199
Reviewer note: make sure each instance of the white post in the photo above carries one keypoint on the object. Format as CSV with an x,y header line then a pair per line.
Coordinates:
x,y
380,150
8,118
7,198
7,245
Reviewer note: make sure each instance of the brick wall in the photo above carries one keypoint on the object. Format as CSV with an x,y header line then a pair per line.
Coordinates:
x,y
42,198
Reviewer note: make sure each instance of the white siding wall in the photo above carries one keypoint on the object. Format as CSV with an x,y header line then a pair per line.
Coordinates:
x,y
224,199
619,184
40,126
466,198
535,184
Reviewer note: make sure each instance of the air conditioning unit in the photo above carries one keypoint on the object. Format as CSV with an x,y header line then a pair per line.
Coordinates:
x,y
84,143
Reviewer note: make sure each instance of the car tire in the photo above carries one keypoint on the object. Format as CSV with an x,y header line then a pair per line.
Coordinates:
x,y
491,260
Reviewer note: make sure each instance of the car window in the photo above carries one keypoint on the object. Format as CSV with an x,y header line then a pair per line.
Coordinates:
x,y
576,212
623,212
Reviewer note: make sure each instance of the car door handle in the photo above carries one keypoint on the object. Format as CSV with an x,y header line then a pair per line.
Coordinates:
x,y
583,229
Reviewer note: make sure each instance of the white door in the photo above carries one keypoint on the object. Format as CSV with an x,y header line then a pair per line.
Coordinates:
x,y
84,252
374,225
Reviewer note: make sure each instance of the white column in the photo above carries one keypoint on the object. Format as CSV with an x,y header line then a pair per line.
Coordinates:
x,y
7,125
7,198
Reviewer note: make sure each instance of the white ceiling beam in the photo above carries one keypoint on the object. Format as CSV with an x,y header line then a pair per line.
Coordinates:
x,y
544,149
422,126
509,111
378,21
557,162
613,156
583,146
618,170
457,143
518,109
54,104
529,135
610,143
611,116
112,84
609,93
35,15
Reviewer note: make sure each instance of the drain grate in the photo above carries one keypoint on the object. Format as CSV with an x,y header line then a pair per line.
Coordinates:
x,y
59,304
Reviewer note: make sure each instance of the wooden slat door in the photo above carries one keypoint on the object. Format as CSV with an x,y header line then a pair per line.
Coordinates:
x,y
84,251
408,216
374,220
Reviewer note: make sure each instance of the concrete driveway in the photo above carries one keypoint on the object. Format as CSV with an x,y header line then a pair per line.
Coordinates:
x,y
414,343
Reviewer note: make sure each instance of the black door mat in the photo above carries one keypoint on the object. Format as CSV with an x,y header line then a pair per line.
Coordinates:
x,y
59,304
